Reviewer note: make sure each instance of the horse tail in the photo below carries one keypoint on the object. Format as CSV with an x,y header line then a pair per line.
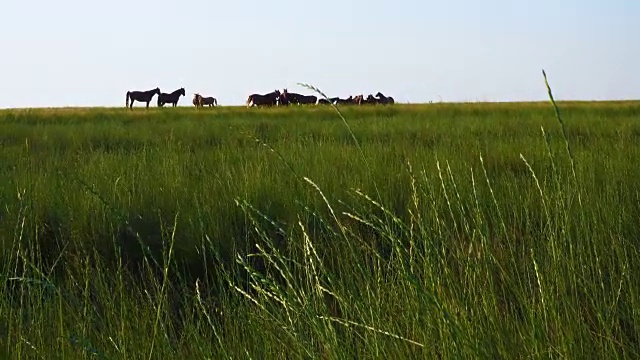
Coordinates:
x,y
127,101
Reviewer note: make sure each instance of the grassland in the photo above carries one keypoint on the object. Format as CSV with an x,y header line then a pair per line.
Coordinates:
x,y
417,231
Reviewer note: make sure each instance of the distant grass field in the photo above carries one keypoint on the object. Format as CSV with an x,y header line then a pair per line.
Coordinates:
x,y
445,231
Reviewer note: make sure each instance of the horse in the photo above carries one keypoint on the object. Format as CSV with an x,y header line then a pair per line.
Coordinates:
x,y
171,98
209,101
346,101
371,100
200,101
358,99
141,96
270,99
385,100
328,102
299,98
283,100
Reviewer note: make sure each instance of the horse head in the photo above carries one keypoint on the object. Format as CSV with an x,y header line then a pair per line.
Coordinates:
x,y
380,95
156,91
182,92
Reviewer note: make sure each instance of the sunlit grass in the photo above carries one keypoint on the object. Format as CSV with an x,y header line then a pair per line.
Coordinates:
x,y
263,233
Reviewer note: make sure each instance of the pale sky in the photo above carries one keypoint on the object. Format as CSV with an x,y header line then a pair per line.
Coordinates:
x,y
89,53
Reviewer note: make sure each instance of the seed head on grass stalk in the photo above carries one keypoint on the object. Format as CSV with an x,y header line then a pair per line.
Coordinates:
x,y
564,131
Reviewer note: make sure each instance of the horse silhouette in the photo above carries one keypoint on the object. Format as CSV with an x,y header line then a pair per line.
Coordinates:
x,y
141,96
270,99
385,100
200,101
171,98
299,98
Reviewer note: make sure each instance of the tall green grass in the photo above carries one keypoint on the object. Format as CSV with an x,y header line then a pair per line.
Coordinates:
x,y
442,231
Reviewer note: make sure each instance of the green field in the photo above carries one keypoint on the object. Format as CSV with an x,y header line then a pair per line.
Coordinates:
x,y
431,231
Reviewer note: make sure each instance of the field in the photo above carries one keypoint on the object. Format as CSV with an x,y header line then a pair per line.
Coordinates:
x,y
473,230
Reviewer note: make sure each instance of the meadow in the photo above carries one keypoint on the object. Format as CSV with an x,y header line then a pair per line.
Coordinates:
x,y
471,230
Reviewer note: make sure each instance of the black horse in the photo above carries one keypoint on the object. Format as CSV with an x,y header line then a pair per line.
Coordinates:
x,y
270,99
299,98
385,100
200,101
141,96
172,98
347,101
371,100
324,101
283,100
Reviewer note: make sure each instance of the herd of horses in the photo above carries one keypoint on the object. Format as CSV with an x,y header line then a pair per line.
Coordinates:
x,y
274,98
285,98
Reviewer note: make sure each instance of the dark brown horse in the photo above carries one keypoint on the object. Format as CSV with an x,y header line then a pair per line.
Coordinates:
x,y
171,98
270,99
141,96
324,101
385,100
371,100
347,101
299,99
283,100
200,101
